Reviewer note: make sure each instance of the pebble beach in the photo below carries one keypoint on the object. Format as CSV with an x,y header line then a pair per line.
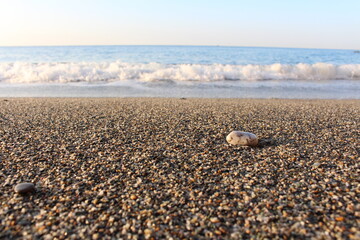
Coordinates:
x,y
160,168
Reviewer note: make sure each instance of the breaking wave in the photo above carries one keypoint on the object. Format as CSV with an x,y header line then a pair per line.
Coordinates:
x,y
94,72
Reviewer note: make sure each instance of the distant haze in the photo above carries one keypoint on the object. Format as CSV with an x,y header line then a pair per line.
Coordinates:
x,y
277,23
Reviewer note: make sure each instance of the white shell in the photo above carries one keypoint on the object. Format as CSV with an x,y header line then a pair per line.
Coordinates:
x,y
242,138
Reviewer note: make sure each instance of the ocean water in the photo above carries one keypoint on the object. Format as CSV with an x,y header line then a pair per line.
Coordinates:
x,y
179,71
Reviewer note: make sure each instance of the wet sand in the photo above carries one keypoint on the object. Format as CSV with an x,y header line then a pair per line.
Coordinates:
x,y
139,168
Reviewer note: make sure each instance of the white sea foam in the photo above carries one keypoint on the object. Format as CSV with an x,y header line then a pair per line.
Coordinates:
x,y
151,72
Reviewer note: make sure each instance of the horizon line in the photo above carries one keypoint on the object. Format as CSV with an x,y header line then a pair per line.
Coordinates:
x,y
172,45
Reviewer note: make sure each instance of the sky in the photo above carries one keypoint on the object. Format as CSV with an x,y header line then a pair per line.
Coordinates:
x,y
332,24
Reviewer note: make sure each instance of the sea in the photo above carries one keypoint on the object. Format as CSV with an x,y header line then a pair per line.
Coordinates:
x,y
179,71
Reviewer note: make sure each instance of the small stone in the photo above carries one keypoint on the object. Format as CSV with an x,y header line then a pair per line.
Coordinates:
x,y
148,233
317,164
133,197
340,219
214,220
24,188
242,138
95,236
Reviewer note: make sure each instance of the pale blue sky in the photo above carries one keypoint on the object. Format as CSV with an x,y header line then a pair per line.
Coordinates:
x,y
274,23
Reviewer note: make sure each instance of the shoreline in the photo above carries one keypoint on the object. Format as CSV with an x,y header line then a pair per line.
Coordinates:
x,y
160,167
287,89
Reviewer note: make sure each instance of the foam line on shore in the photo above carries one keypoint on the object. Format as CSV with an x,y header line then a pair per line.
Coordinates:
x,y
151,72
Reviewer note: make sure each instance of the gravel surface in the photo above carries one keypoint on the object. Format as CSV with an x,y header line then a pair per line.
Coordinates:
x,y
161,168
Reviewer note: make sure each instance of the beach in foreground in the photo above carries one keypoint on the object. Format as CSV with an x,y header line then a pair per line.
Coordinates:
x,y
140,168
